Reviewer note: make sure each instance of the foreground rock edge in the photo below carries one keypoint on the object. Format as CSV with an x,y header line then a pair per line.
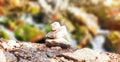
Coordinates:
x,y
33,52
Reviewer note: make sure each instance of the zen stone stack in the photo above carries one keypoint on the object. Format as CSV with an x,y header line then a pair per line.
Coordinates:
x,y
57,36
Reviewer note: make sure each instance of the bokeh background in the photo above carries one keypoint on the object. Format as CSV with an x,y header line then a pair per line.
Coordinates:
x,y
90,23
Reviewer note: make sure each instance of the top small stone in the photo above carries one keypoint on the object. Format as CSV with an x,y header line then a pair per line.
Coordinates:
x,y
55,25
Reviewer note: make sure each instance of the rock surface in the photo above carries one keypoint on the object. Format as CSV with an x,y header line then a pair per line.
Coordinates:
x,y
33,52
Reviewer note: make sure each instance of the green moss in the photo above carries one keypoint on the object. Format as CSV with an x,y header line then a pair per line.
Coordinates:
x,y
3,35
25,32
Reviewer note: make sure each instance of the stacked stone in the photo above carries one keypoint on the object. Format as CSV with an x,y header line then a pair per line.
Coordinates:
x,y
57,36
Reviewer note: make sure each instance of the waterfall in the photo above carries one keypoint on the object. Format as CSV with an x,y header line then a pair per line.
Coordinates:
x,y
99,40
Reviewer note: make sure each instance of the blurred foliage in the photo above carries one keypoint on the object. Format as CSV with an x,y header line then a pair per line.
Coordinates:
x,y
112,41
27,32
38,18
3,34
47,28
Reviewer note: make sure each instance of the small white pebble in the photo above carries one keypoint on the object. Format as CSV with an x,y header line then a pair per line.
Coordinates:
x,y
55,34
59,33
55,25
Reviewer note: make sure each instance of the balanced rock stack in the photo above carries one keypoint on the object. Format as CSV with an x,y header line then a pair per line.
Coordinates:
x,y
57,36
